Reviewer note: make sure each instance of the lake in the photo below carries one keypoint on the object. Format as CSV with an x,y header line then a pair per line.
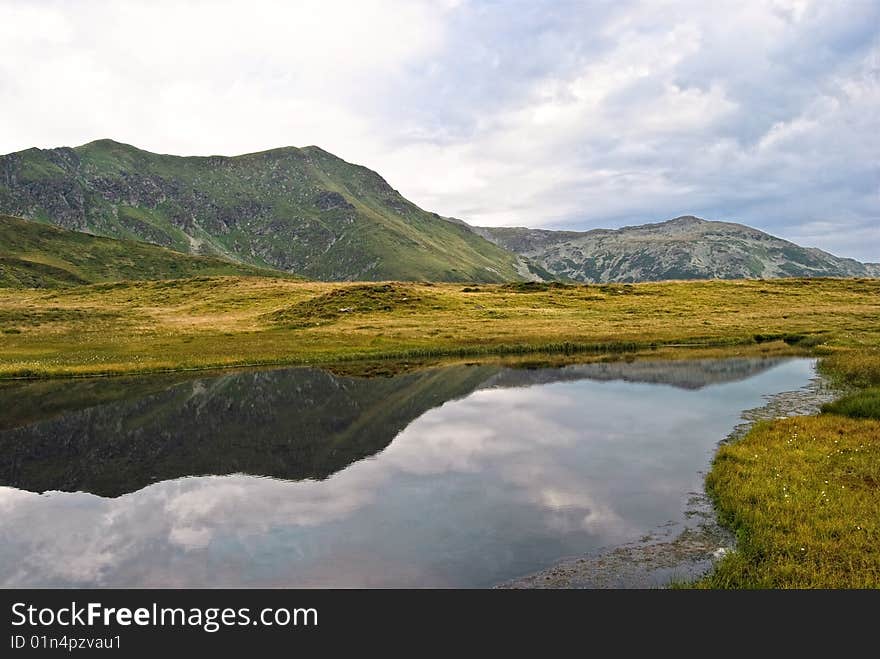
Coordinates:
x,y
463,476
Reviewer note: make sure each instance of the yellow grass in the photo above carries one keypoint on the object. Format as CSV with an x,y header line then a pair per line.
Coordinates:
x,y
224,321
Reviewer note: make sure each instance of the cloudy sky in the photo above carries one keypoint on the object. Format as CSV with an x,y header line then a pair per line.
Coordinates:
x,y
555,114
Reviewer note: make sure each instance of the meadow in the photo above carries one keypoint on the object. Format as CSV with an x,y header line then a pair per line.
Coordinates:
x,y
227,321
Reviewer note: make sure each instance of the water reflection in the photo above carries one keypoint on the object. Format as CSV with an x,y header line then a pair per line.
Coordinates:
x,y
291,424
491,473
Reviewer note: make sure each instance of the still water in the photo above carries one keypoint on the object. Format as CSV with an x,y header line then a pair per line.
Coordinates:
x,y
460,476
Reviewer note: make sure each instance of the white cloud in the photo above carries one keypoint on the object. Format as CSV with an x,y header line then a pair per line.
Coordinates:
x,y
203,78
560,114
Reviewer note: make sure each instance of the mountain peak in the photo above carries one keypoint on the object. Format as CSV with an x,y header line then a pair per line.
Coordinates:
x,y
685,247
677,225
303,211
685,220
107,143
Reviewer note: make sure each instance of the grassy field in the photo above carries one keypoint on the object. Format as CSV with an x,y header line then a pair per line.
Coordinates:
x,y
803,494
209,322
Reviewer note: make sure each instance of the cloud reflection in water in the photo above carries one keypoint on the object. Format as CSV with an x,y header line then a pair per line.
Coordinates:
x,y
480,489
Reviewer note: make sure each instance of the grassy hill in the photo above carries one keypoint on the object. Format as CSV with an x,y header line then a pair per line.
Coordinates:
x,y
34,255
303,211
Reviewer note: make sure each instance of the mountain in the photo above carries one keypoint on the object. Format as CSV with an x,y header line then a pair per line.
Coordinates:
x,y
112,436
308,212
34,255
684,248
303,211
684,374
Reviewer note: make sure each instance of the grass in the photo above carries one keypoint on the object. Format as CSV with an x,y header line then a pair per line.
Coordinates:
x,y
803,494
216,322
34,255
860,369
858,405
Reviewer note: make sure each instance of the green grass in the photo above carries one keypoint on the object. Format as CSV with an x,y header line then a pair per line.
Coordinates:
x,y
34,255
803,494
216,322
358,300
859,405
860,369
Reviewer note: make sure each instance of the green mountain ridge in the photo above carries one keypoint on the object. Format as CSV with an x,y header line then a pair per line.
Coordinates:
x,y
307,212
35,255
302,211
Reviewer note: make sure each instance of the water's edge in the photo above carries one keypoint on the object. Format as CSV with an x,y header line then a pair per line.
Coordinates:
x,y
678,553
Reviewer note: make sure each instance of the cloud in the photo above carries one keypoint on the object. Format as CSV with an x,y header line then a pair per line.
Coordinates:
x,y
559,114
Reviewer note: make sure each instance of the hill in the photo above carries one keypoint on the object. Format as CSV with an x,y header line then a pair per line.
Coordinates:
x,y
34,255
683,248
302,211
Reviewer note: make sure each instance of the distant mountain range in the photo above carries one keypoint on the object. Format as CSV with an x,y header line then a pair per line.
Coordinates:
x,y
684,248
307,212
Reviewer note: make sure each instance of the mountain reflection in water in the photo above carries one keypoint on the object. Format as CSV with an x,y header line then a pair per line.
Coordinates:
x,y
458,476
291,424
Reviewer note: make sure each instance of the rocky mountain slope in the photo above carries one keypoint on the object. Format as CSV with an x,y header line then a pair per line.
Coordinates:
x,y
307,212
34,255
683,248
303,211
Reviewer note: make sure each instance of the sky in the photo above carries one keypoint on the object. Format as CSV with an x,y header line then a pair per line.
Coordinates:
x,y
554,114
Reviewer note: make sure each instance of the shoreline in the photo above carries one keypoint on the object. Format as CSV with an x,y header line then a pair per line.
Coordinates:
x,y
678,552
401,360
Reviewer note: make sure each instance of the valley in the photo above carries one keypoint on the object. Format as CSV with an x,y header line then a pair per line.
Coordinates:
x,y
191,281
